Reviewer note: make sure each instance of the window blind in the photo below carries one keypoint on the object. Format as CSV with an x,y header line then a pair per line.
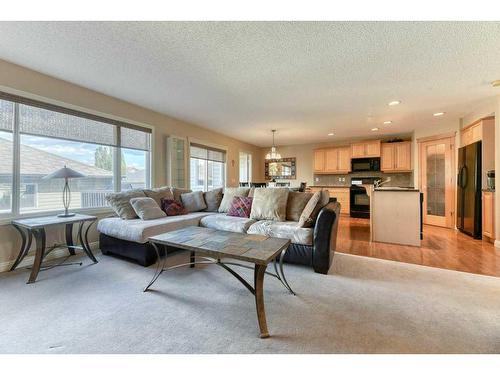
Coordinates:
x,y
40,118
207,153
6,115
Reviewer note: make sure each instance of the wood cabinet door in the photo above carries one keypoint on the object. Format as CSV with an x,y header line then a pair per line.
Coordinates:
x,y
488,215
466,137
344,159
387,157
319,160
331,160
476,133
358,150
402,156
372,149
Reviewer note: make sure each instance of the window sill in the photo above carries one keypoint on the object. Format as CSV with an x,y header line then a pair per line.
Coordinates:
x,y
7,219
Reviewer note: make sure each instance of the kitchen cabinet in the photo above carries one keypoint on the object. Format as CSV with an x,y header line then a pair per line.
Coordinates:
x,y
396,157
319,161
368,149
334,160
472,134
489,214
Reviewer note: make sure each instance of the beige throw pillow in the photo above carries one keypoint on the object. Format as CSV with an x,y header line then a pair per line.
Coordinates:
x,y
194,201
178,192
296,203
120,203
147,208
269,204
213,198
305,219
159,193
229,194
324,198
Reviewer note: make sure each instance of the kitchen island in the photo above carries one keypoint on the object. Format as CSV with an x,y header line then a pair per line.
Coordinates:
x,y
396,215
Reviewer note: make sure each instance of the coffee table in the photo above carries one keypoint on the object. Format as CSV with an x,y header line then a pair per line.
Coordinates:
x,y
211,246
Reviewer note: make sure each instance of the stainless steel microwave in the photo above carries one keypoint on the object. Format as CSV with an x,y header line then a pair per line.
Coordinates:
x,y
365,165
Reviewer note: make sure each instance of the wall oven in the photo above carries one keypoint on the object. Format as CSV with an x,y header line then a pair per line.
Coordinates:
x,y
359,198
365,165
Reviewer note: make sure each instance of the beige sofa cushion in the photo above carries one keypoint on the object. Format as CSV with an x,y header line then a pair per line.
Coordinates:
x,y
193,201
283,229
178,192
159,193
120,203
147,208
213,198
229,194
305,217
296,203
137,230
227,223
269,204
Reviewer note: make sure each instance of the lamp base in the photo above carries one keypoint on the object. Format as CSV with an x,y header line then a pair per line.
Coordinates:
x,y
66,215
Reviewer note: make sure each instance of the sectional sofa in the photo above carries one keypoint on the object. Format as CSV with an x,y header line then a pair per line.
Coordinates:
x,y
312,244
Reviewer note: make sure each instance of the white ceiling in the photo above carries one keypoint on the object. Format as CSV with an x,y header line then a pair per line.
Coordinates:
x,y
243,79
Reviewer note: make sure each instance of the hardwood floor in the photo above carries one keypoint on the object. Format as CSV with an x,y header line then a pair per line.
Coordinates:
x,y
441,248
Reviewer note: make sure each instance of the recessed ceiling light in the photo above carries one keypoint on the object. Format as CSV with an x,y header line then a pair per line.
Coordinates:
x,y
496,83
374,129
387,122
437,114
395,102
330,134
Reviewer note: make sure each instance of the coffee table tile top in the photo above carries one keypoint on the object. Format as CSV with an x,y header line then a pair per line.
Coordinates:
x,y
248,247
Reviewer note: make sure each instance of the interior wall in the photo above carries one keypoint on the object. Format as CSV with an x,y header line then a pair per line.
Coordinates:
x,y
23,81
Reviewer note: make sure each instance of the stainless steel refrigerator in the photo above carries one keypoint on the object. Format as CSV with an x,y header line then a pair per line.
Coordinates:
x,y
469,203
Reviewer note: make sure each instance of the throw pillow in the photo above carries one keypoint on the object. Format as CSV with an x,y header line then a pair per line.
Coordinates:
x,y
159,193
194,201
213,198
178,192
324,198
240,207
147,208
229,194
269,204
305,219
296,203
120,203
172,208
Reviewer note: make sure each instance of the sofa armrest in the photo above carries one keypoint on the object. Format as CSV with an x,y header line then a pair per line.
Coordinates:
x,y
325,237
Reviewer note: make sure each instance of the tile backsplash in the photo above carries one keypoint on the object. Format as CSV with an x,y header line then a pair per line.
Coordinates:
x,y
397,179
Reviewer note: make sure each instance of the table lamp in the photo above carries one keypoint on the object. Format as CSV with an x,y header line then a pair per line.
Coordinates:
x,y
65,173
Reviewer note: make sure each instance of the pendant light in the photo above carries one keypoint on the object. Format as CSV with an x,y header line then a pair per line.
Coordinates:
x,y
273,154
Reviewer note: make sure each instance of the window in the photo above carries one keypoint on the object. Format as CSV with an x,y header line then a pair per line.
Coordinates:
x,y
207,167
112,155
245,167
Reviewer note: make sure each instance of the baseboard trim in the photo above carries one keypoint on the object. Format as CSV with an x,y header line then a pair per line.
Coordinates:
x,y
497,243
57,253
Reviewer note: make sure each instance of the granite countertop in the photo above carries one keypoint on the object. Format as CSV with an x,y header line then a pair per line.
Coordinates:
x,y
489,190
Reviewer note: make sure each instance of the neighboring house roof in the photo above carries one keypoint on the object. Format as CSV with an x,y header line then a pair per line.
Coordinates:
x,y
38,162
135,175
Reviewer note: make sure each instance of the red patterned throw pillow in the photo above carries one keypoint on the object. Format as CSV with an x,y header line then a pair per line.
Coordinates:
x,y
240,207
172,207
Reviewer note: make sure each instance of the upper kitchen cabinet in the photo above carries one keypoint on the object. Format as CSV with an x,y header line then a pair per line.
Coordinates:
x,y
319,161
396,157
475,132
369,149
332,160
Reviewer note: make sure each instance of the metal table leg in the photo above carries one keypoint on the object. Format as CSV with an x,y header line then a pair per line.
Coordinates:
x,y
69,238
160,266
85,242
25,246
259,273
39,235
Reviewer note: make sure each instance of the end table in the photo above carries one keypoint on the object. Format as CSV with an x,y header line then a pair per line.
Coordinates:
x,y
35,227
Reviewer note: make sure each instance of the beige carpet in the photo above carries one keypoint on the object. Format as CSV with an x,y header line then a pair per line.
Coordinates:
x,y
365,305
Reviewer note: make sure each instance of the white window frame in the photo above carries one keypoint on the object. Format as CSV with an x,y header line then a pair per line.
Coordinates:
x,y
15,213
